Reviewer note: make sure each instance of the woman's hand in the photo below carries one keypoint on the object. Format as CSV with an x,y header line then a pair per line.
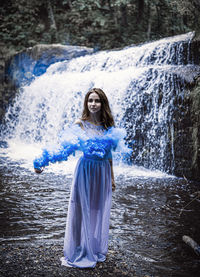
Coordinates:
x,y
113,185
39,170
112,175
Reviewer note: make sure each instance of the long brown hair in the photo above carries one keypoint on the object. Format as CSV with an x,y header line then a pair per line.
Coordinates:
x,y
106,114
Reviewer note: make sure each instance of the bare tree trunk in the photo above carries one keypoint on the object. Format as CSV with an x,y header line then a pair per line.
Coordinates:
x,y
70,4
53,28
114,15
149,22
140,4
51,15
123,12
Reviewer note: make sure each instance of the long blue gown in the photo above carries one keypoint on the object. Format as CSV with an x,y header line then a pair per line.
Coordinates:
x,y
86,235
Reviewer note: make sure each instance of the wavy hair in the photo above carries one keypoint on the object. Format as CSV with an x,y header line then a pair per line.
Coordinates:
x,y
106,114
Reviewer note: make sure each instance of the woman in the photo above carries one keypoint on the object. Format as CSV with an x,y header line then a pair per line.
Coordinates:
x,y
86,235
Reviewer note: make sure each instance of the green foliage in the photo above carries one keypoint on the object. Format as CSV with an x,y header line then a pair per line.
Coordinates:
x,y
95,23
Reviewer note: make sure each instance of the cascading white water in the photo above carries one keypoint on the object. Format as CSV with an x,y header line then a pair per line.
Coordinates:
x,y
139,85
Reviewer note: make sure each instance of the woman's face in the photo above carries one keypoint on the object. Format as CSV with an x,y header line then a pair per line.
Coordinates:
x,y
94,103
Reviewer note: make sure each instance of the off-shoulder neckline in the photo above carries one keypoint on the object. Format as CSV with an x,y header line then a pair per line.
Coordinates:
x,y
92,123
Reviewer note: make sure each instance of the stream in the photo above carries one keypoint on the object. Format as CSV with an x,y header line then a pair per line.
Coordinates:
x,y
148,218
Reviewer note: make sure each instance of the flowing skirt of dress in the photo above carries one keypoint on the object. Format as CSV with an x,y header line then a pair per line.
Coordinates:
x,y
87,228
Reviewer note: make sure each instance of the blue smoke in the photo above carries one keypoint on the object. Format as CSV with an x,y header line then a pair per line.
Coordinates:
x,y
74,138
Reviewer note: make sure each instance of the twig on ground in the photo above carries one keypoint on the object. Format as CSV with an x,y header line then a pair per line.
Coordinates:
x,y
189,241
198,196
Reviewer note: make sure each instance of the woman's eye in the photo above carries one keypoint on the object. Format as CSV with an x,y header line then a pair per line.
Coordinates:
x,y
96,100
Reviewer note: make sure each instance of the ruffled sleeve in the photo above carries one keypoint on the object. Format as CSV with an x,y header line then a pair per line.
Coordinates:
x,y
101,147
116,136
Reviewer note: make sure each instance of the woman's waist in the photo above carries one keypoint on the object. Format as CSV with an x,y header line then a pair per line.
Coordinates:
x,y
94,158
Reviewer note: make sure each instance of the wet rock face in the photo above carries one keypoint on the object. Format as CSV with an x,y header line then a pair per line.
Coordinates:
x,y
185,141
187,129
165,123
173,144
5,88
23,67
165,116
187,136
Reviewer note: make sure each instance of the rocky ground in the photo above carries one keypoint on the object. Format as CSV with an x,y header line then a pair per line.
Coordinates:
x,y
35,261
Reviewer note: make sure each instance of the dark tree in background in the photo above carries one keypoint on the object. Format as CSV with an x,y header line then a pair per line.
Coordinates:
x,y
104,24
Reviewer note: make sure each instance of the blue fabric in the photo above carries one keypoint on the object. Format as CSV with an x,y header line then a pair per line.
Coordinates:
x,y
86,235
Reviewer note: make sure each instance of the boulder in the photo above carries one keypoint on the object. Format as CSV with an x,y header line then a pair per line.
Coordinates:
x,y
22,67
26,65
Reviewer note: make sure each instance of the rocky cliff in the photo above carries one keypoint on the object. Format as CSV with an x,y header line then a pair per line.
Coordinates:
x,y
21,68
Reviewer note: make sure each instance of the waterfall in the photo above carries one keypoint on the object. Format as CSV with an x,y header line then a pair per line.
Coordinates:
x,y
142,85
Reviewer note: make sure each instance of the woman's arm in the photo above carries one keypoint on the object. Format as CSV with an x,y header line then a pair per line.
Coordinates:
x,y
112,175
79,122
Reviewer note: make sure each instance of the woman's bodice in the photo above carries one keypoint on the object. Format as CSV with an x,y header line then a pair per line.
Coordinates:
x,y
92,129
95,146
